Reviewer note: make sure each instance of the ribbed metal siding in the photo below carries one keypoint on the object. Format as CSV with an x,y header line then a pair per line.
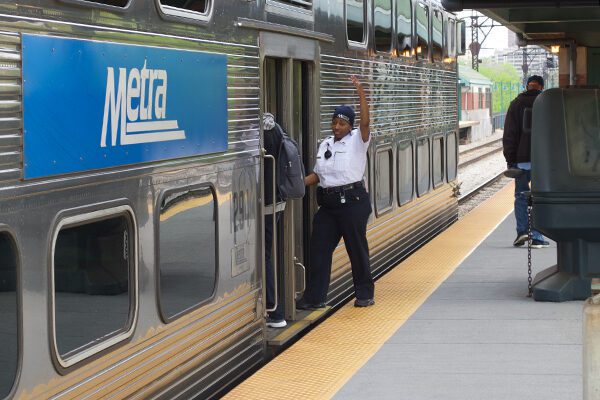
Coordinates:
x,y
404,98
243,94
11,116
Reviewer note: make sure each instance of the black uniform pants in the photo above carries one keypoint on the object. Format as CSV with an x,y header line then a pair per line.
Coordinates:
x,y
335,220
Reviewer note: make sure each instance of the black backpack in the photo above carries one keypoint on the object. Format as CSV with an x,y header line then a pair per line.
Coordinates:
x,y
290,170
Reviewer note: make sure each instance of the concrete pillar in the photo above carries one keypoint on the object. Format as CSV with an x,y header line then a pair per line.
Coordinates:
x,y
591,349
572,66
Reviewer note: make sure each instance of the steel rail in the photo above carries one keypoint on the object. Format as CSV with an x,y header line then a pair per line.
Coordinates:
x,y
479,188
481,156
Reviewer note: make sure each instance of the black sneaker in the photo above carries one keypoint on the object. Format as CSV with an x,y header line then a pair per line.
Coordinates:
x,y
539,244
513,172
521,239
363,302
276,323
303,305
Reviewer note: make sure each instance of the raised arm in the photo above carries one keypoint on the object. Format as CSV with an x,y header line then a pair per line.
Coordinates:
x,y
365,119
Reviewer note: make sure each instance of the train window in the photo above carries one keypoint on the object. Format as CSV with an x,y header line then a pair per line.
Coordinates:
x,y
187,250
200,6
437,155
94,282
355,20
437,28
451,38
9,345
114,3
423,180
383,25
404,26
193,9
422,49
306,4
405,172
451,152
383,180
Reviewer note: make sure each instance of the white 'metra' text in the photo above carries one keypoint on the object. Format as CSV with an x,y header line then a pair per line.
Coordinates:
x,y
135,108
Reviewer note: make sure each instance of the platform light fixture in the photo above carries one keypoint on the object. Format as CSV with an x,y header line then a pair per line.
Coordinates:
x,y
555,48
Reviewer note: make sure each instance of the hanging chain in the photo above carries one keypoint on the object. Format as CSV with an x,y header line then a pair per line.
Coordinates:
x,y
529,288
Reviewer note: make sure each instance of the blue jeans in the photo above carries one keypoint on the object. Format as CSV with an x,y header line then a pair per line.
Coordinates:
x,y
521,186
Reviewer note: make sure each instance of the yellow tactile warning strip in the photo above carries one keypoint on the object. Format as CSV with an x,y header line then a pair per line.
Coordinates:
x,y
318,365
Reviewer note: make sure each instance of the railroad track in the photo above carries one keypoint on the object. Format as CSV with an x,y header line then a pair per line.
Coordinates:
x,y
471,193
480,152
474,167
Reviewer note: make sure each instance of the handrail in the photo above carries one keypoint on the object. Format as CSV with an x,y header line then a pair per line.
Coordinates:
x,y
274,256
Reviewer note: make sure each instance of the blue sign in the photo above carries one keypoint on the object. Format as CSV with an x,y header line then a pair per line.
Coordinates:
x,y
90,105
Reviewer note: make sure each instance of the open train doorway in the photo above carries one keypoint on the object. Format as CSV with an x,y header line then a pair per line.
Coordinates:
x,y
287,84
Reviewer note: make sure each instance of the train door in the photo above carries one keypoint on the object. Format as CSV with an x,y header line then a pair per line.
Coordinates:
x,y
593,56
288,87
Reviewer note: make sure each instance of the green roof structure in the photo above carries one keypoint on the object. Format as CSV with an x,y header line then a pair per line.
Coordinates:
x,y
468,76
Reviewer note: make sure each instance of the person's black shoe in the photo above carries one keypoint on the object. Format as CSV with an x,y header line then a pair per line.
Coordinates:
x,y
363,302
513,172
303,305
539,244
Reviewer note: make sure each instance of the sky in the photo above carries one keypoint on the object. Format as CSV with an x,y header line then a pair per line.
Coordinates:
x,y
497,38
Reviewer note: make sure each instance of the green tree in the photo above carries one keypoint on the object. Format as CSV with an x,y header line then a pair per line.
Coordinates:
x,y
507,84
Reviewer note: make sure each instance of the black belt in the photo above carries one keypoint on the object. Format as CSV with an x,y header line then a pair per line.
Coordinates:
x,y
342,188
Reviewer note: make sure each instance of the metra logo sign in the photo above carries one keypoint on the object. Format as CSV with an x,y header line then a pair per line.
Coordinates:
x,y
91,105
136,107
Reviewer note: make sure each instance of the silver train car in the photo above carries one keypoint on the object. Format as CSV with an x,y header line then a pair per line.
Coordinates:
x,y
131,218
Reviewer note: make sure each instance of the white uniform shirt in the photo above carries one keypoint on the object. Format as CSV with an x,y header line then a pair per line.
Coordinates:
x,y
347,162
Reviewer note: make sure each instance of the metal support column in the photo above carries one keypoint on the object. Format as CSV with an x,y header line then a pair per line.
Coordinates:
x,y
475,43
525,67
573,65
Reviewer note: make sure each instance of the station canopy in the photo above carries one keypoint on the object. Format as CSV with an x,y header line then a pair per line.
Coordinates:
x,y
541,20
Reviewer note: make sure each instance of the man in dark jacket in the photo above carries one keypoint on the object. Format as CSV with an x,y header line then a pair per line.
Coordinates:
x,y
272,142
517,152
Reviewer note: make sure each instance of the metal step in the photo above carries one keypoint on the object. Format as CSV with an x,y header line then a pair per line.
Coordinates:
x,y
278,337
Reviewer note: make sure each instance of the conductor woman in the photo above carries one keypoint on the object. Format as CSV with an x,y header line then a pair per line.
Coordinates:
x,y
344,206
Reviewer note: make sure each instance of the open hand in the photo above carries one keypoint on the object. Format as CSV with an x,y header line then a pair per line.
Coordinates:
x,y
357,84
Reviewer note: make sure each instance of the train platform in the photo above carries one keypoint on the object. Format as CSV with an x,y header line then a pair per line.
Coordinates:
x,y
452,321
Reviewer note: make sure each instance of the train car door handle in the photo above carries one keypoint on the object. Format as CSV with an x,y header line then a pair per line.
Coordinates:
x,y
299,264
